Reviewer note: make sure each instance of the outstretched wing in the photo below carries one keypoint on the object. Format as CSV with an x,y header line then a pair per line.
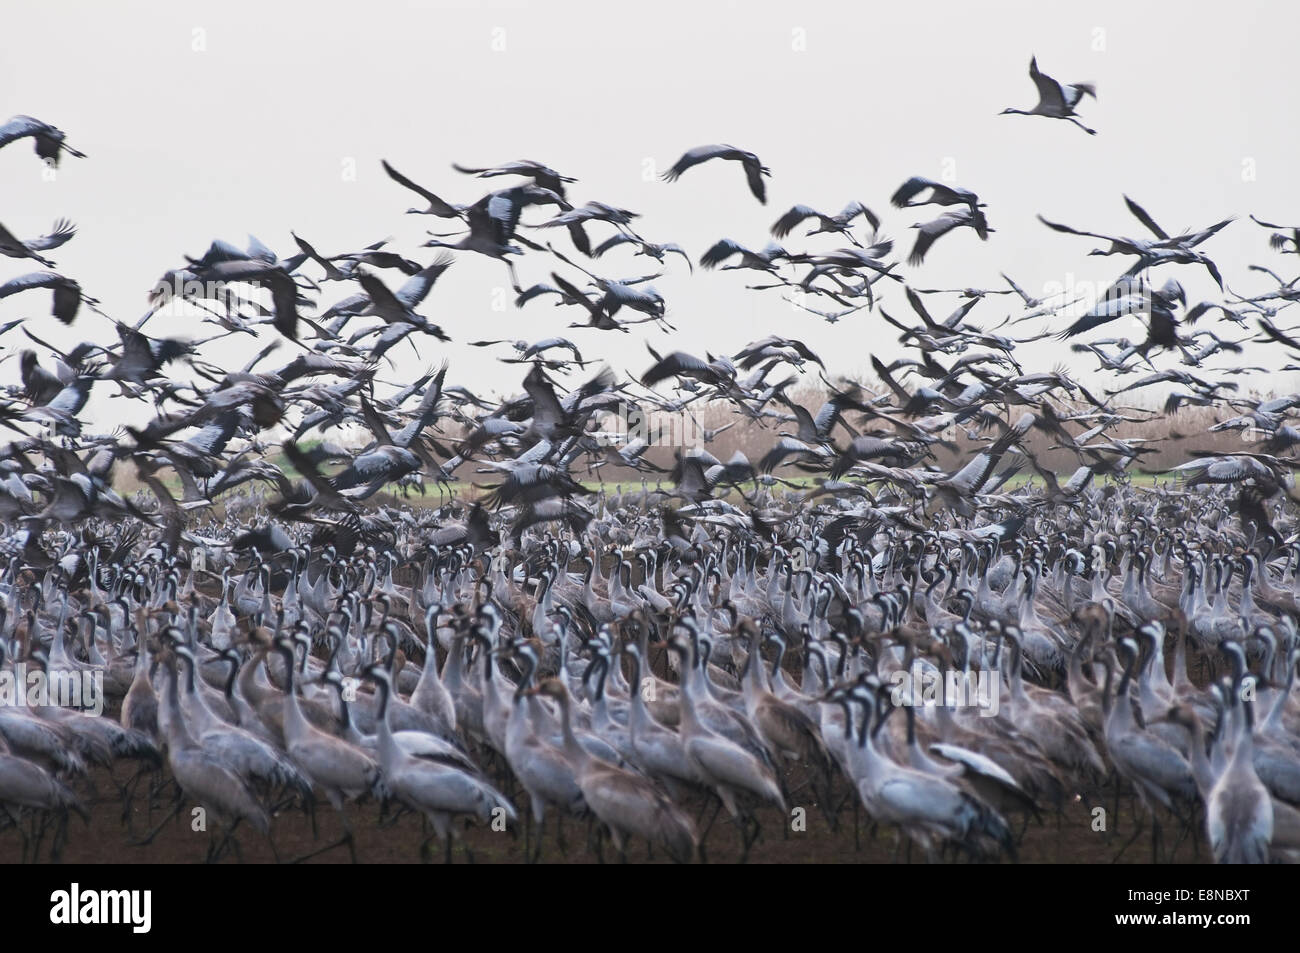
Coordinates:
x,y
1141,214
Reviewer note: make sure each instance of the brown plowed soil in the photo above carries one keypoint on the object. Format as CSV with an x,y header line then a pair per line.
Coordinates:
x,y
1066,837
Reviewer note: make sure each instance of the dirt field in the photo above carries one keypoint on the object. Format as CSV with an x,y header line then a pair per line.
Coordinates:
x,y
1067,838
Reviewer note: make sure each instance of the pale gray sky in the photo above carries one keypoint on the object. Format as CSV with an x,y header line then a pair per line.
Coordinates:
x,y
207,120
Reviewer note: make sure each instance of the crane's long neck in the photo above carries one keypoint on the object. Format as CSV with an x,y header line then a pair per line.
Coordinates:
x,y
294,721
690,717
575,751
1202,771
389,753
638,715
179,734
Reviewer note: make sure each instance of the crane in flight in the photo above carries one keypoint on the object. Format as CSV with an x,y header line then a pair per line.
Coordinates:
x,y
1055,100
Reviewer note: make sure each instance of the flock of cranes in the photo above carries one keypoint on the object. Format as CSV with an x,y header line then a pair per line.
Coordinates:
x,y
279,627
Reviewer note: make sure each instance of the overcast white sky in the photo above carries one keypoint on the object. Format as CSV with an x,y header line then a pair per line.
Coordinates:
x,y
207,120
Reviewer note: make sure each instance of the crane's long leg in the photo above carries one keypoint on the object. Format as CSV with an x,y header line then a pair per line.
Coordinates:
x,y
560,842
346,840
176,809
15,821
1184,828
60,837
857,839
216,849
717,807
1128,843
